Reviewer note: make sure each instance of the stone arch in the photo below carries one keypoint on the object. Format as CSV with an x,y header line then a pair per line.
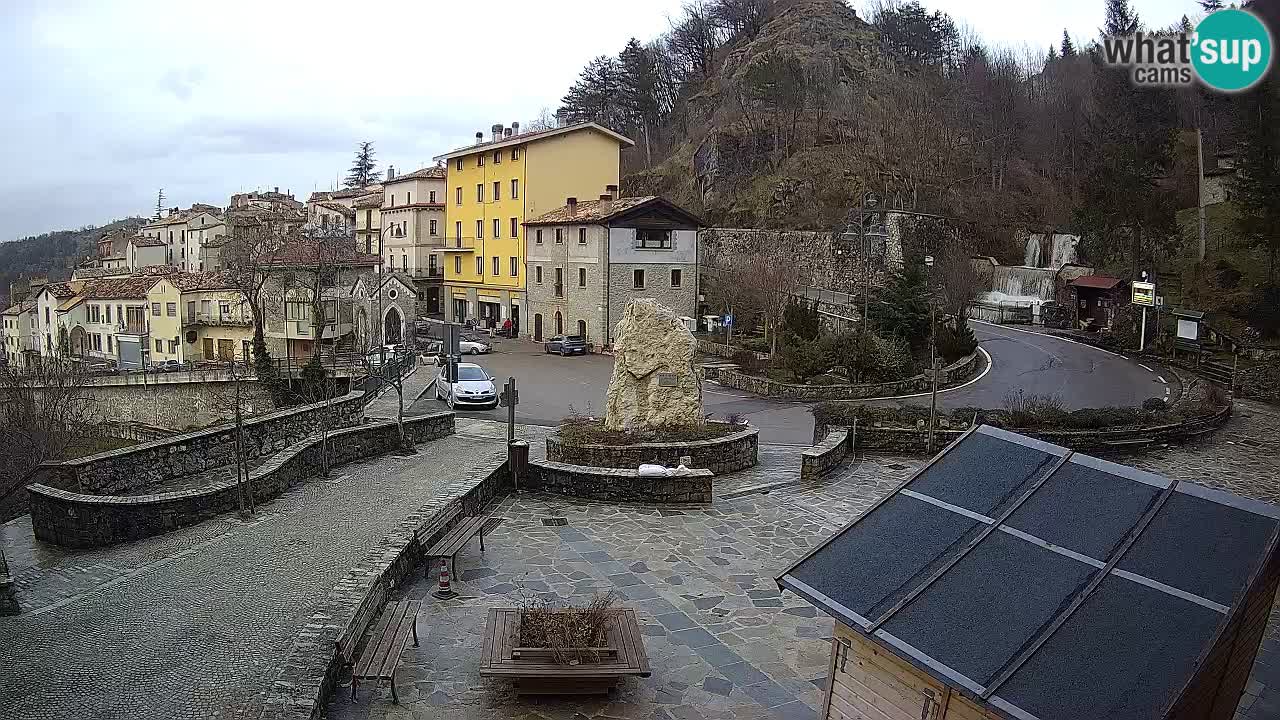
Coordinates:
x,y
78,341
392,327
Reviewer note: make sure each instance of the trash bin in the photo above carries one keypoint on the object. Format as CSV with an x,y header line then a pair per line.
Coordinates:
x,y
518,461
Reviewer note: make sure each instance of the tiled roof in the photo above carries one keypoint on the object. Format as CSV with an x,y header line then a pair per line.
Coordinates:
x,y
188,282
1100,282
430,173
589,211
60,290
533,136
143,241
354,192
134,287
336,207
372,200
304,252
18,309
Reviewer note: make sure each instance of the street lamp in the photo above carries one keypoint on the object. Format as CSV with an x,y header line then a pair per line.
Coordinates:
x,y
933,353
868,199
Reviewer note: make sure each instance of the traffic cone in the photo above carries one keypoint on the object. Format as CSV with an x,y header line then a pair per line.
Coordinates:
x,y
443,591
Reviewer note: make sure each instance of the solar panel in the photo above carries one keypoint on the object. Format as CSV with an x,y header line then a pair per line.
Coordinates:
x,y
981,473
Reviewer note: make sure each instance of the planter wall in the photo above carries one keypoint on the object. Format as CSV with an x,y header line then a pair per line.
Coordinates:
x,y
616,484
953,374
80,520
708,347
914,440
737,451
828,454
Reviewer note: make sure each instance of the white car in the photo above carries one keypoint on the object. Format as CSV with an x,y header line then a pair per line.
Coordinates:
x,y
474,387
472,347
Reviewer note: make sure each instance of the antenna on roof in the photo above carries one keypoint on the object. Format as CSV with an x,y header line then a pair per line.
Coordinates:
x,y
159,203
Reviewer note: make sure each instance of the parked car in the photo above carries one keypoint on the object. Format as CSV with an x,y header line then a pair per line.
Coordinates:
x,y
566,345
169,366
474,387
473,346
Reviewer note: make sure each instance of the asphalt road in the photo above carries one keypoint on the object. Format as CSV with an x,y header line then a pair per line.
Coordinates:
x,y
553,387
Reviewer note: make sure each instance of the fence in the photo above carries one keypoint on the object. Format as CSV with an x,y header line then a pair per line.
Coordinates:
x,y
396,366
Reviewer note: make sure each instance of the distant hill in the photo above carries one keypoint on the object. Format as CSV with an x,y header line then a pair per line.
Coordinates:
x,y
53,254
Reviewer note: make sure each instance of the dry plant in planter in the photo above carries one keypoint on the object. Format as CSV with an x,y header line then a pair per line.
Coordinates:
x,y
569,635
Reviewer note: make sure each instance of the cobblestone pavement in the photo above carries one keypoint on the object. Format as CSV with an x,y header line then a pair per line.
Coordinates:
x,y
415,383
194,623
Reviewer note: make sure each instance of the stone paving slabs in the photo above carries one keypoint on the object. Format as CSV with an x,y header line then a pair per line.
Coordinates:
x,y
194,623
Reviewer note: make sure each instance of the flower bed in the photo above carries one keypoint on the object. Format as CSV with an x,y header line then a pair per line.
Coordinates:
x,y
719,447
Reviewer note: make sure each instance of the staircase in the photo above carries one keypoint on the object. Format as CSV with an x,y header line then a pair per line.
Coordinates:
x,y
1217,372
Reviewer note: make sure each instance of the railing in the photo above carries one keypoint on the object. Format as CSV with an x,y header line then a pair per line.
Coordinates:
x,y
132,328
459,244
216,320
435,273
396,366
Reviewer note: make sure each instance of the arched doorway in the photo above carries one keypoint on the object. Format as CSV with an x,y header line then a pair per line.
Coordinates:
x,y
559,323
392,328
537,327
362,327
582,329
78,341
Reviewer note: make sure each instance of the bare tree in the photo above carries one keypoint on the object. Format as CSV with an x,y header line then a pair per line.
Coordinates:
x,y
760,284
386,371
958,279
44,411
249,257
237,397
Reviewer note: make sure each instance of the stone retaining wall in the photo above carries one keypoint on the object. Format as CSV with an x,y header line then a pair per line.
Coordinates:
x,y
914,440
709,347
828,454
128,469
311,671
953,374
737,451
616,484
80,520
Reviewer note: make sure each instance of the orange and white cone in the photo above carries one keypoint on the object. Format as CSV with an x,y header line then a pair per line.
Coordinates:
x,y
443,591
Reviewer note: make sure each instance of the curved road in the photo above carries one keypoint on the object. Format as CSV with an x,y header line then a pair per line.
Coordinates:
x,y
1081,375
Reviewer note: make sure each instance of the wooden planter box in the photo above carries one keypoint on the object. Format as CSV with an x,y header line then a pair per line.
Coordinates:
x,y
537,673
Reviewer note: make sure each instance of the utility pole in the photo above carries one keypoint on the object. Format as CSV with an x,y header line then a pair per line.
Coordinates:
x,y
1200,189
933,355
868,198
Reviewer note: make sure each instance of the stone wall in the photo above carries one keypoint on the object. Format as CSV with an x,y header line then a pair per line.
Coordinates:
x,y
310,673
170,402
615,484
76,520
128,469
828,454
737,451
914,440
958,372
710,347
683,300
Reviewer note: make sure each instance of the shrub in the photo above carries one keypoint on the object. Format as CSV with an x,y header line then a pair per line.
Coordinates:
x,y
578,430
1155,405
803,359
1032,410
956,342
1225,275
1261,312
800,321
841,350
754,344
746,360
567,633
889,359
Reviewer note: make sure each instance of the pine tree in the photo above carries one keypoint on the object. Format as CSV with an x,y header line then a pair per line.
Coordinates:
x,y
1211,5
1257,182
638,90
1121,18
159,203
1068,47
1053,55
362,173
596,96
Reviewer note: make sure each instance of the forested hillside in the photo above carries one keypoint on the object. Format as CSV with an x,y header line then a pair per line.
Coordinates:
x,y
781,113
52,253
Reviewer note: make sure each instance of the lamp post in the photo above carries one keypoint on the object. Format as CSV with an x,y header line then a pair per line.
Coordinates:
x,y
868,199
933,353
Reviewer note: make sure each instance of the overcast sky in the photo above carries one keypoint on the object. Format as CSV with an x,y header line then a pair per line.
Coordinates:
x,y
109,101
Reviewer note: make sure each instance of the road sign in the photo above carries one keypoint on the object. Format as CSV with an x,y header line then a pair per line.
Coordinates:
x,y
1144,293
728,319
506,399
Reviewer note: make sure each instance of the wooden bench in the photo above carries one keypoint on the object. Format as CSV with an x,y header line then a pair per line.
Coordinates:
x,y
351,634
453,541
386,644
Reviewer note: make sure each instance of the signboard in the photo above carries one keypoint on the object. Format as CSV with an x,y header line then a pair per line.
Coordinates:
x,y
668,380
1144,293
728,319
1188,329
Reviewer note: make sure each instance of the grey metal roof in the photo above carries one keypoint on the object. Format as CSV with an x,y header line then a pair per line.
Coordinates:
x,y
1044,583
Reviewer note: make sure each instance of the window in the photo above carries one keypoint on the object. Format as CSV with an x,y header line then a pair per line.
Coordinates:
x,y
433,227
582,236
497,228
457,264
559,286
457,196
659,239
515,153
675,278
457,232
479,265
582,329
109,347
479,192
559,236
515,227
497,266
224,308
458,165
408,198
637,279
173,347
497,156
537,236
537,274
404,262
497,190
582,277
155,311
431,197
393,200
480,160
159,345
515,189
479,229
515,267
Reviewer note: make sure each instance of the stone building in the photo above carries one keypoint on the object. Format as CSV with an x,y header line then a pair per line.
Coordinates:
x,y
587,260
412,230
385,306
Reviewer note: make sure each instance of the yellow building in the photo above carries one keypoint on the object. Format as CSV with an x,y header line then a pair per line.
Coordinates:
x,y
492,187
165,323
217,323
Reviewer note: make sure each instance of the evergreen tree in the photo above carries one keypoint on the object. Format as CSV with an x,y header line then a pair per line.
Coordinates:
x,y
1257,182
597,94
362,173
1211,5
638,91
1121,18
1068,47
902,308
1053,55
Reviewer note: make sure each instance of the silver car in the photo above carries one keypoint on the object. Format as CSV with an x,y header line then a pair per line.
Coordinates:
x,y
474,387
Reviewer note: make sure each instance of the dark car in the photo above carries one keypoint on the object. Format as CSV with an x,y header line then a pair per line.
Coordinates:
x,y
566,345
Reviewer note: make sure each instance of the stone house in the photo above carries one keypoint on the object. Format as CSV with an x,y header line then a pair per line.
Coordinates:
x,y
115,324
412,227
19,333
217,323
588,259
385,307
145,251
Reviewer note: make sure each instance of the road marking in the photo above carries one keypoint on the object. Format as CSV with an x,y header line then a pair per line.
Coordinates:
x,y
990,363
1055,337
1144,367
1162,380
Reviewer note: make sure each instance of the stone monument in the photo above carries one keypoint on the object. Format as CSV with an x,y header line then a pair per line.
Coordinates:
x,y
655,382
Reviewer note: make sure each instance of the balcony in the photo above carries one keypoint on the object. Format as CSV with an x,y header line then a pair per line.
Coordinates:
x,y
459,245
132,327
216,320
303,330
429,273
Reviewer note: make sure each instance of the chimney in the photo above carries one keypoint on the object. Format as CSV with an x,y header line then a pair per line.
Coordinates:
x,y
606,202
479,137
391,172
277,189
560,118
572,204
496,129
515,128
612,190
506,133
